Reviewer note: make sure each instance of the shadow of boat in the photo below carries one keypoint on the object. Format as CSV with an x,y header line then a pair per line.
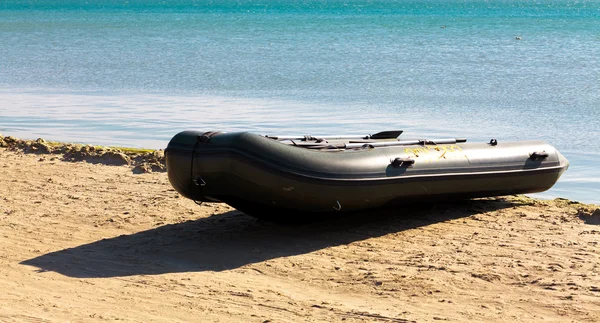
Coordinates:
x,y
231,240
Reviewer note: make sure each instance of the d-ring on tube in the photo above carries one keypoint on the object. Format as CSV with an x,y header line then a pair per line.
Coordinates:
x,y
338,206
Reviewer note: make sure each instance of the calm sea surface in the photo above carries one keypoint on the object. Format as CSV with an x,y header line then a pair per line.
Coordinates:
x,y
136,72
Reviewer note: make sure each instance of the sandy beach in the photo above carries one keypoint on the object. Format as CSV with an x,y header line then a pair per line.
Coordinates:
x,y
89,239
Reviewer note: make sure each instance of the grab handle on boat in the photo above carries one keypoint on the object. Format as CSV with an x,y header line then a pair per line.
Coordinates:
x,y
539,155
399,162
199,181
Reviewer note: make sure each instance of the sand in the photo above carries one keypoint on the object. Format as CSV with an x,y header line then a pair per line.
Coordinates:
x,y
88,242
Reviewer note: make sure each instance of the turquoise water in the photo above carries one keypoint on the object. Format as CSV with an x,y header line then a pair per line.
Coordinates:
x,y
137,72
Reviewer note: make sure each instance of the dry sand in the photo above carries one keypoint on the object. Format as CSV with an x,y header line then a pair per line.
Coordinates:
x,y
90,242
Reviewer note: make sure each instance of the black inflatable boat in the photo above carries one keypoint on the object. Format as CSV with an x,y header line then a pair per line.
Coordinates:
x,y
280,177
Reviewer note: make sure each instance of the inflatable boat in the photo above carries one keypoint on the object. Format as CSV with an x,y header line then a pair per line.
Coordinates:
x,y
281,177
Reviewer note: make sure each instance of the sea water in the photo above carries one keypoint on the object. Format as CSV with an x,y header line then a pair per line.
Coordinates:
x,y
134,73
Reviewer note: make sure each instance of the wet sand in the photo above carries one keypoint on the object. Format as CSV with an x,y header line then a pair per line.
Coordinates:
x,y
84,241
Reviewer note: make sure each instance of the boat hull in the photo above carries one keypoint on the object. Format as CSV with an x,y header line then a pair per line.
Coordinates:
x,y
266,178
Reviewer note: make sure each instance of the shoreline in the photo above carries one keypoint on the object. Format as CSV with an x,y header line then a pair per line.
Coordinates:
x,y
139,159
87,242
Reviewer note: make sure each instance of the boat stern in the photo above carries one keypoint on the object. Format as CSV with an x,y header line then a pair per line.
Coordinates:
x,y
178,157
